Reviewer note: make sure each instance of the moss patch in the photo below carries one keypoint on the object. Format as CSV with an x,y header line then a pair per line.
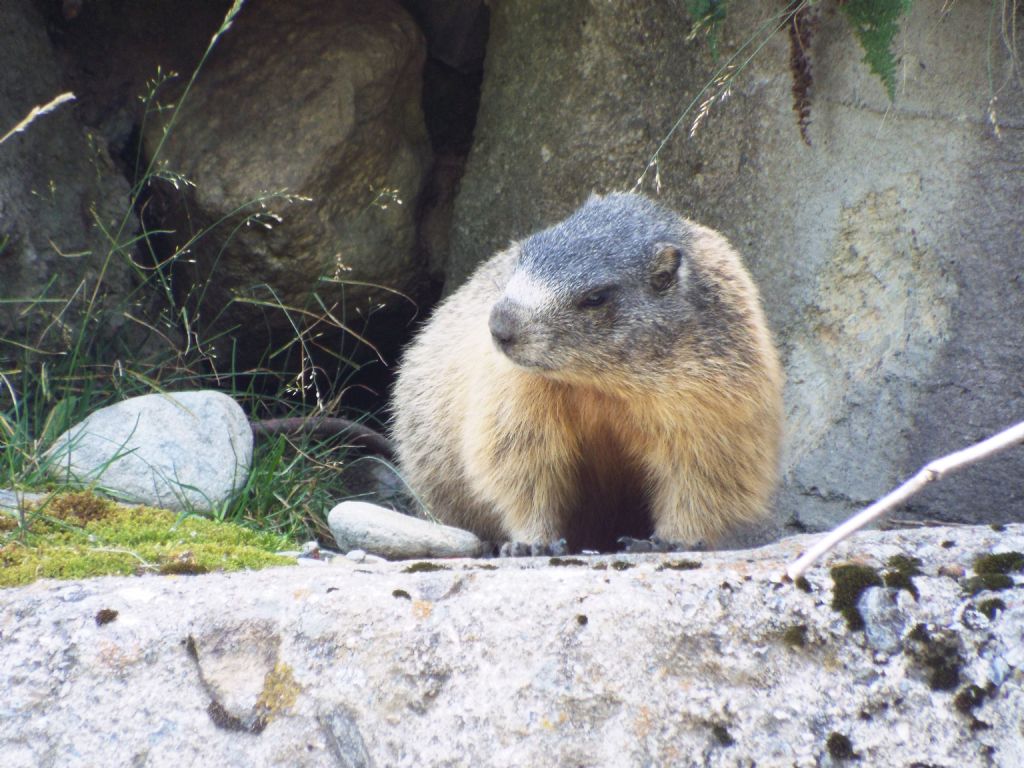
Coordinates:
x,y
679,565
993,572
562,562
937,651
795,636
1004,562
79,535
900,575
969,699
850,582
279,693
840,747
722,735
991,607
424,567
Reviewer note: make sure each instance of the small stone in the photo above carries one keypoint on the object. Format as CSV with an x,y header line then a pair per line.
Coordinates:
x,y
884,621
952,570
392,535
356,555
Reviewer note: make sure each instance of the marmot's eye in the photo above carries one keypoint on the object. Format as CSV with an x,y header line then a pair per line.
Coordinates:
x,y
595,298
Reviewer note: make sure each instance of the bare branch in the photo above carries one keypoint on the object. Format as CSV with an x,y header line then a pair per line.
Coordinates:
x,y
932,471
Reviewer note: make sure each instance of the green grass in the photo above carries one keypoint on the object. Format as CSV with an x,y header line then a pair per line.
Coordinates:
x,y
102,344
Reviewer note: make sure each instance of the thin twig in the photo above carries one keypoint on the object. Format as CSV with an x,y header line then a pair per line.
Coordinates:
x,y
932,471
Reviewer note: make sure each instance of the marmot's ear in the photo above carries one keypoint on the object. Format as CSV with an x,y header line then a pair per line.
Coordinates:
x,y
665,266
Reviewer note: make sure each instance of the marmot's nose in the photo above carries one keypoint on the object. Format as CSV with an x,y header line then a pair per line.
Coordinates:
x,y
503,325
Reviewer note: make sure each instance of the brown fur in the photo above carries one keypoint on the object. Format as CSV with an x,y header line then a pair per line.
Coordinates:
x,y
685,450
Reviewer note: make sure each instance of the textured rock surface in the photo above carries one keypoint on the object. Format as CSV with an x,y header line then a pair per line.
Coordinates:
x,y
616,662
321,100
888,253
58,191
380,531
181,451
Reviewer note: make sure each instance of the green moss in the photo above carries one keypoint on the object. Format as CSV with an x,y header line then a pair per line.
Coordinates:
x,y
79,535
722,735
621,565
901,573
992,582
840,747
803,584
850,582
992,572
401,594
938,653
795,636
561,562
991,607
105,616
1004,563
424,567
280,691
679,565
968,699
998,527
182,564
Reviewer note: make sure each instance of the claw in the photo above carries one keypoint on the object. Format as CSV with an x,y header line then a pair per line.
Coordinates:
x,y
524,549
630,545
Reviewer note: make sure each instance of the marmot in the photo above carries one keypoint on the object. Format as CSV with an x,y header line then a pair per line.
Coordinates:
x,y
611,375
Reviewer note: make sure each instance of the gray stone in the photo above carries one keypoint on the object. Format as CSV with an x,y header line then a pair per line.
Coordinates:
x,y
888,253
185,451
359,525
321,100
619,661
884,619
58,193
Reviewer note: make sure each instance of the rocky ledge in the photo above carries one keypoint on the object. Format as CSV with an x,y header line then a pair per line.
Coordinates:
x,y
906,648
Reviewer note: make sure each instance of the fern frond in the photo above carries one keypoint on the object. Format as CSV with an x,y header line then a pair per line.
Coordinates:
x,y
875,23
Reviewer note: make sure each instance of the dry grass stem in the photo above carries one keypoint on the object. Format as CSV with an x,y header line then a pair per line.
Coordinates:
x,y
38,111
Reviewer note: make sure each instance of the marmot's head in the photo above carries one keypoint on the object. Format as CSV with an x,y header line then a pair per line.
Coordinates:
x,y
607,291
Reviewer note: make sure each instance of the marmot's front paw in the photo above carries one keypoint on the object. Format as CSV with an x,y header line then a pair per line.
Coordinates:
x,y
630,545
523,549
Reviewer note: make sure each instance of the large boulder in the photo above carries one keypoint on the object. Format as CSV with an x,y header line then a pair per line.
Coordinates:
x,y
706,659
319,101
888,251
65,214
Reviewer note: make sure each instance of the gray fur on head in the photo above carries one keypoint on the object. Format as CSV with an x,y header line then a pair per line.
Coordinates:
x,y
604,289
607,237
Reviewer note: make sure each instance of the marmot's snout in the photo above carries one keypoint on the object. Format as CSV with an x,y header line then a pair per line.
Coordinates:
x,y
505,325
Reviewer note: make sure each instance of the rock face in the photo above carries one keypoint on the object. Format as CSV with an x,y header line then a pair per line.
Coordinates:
x,y
888,253
185,451
58,192
321,100
706,660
